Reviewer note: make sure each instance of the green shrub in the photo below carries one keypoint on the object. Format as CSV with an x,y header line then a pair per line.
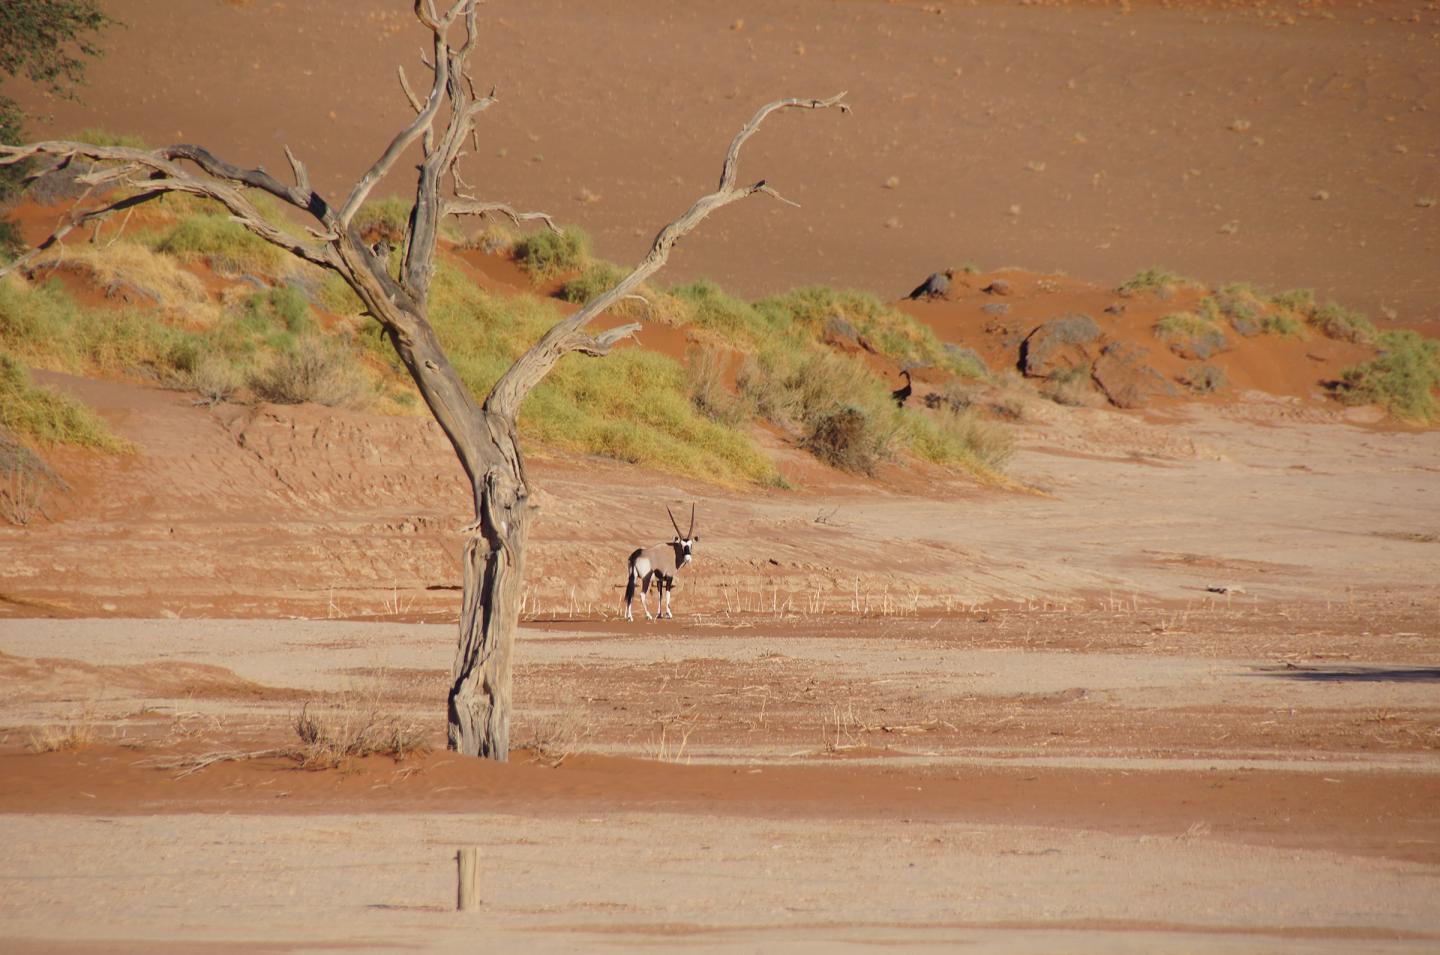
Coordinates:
x,y
736,321
633,405
600,277
47,416
594,281
1334,321
546,253
225,244
1402,378
1300,300
959,437
1157,280
282,307
892,333
43,325
1286,326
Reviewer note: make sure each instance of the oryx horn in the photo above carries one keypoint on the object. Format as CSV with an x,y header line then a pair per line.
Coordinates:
x,y
673,524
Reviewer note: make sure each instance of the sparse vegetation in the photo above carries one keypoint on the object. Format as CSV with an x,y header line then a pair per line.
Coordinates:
x,y
1403,378
641,407
354,726
1156,280
1299,307
69,737
47,416
1190,335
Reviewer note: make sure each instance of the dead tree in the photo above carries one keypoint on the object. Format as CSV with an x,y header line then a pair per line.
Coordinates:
x,y
483,435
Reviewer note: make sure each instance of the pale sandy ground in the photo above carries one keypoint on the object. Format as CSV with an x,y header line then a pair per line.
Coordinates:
x,y
660,882
581,878
1095,648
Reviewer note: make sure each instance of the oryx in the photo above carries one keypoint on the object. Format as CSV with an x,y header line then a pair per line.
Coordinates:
x,y
660,562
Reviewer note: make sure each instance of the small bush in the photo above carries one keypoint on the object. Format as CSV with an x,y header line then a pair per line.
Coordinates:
x,y
318,370
1159,281
847,438
1205,379
1335,321
497,238
1300,300
545,254
1402,378
351,728
283,307
1190,336
214,378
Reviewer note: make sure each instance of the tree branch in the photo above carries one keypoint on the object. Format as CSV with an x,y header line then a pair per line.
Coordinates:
x,y
156,172
509,392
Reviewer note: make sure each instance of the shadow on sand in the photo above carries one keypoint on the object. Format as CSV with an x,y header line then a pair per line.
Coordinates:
x,y
1352,674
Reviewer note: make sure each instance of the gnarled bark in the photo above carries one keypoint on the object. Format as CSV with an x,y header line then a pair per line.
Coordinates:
x,y
483,435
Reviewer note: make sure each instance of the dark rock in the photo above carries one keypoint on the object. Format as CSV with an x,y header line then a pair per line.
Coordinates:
x,y
1058,343
1115,308
1246,327
1126,380
935,286
999,287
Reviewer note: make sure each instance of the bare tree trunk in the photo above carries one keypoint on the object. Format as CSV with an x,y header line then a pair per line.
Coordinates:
x,y
494,568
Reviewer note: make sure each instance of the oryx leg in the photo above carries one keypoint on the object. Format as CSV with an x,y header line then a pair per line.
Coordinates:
x,y
645,596
669,586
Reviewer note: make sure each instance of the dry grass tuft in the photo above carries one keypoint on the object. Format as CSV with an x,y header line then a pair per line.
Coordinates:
x,y
68,737
557,736
354,727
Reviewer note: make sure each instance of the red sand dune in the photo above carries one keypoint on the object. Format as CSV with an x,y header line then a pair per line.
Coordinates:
x,y
1096,139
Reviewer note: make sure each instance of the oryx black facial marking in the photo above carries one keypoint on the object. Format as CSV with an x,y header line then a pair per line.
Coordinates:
x,y
660,563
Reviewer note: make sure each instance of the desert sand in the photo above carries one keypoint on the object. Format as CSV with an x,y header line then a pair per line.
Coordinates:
x,y
1170,687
